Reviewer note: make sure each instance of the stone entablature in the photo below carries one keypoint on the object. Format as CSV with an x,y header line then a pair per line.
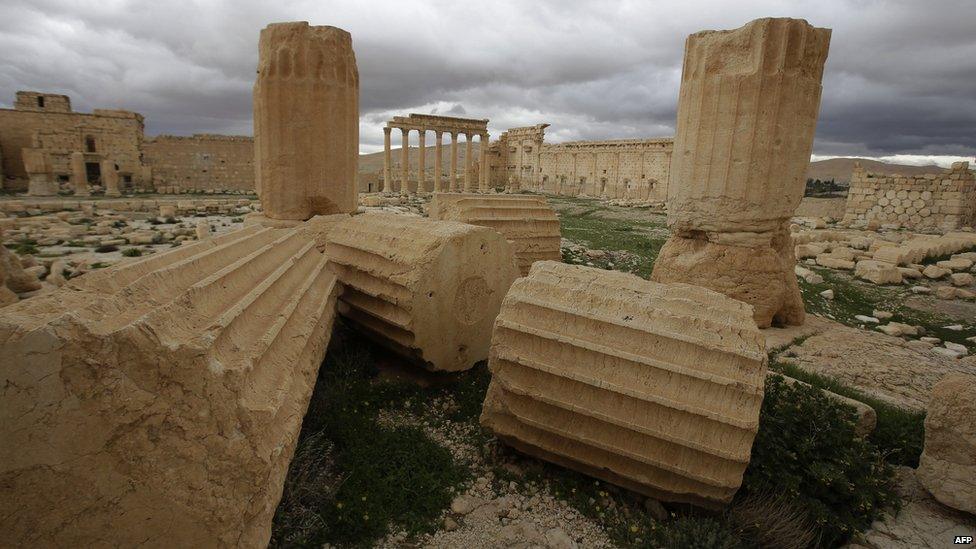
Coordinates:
x,y
944,201
440,125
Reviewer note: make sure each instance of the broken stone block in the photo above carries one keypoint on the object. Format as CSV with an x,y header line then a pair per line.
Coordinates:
x,y
158,402
831,262
935,272
306,121
961,279
877,272
653,387
753,94
527,221
956,264
947,467
428,290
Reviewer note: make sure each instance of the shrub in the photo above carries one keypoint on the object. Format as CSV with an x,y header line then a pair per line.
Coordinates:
x,y
390,476
132,252
806,450
106,249
697,533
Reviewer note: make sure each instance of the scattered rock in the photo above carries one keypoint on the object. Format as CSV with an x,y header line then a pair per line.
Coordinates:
x,y
866,319
947,467
557,538
827,294
935,272
961,279
464,504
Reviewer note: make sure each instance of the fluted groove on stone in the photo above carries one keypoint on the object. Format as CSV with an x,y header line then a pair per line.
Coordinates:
x,y
428,290
159,402
306,121
654,387
526,221
747,111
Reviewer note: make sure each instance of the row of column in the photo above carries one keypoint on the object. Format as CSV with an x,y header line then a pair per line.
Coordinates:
x,y
422,160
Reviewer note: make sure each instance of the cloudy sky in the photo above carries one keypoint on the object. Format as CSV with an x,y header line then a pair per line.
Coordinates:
x,y
900,80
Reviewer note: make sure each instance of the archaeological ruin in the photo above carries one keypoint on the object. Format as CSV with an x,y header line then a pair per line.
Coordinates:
x,y
416,180
45,147
944,201
631,169
560,345
730,202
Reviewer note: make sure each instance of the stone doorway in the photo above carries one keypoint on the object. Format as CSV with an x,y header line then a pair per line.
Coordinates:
x,y
93,172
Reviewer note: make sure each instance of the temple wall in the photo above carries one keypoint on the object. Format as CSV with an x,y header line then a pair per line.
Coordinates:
x,y
114,135
945,200
202,162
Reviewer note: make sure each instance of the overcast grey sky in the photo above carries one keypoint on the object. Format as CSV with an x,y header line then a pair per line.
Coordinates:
x,y
900,78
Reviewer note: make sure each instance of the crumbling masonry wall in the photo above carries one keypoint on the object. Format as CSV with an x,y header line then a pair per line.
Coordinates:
x,y
46,122
202,162
943,201
635,169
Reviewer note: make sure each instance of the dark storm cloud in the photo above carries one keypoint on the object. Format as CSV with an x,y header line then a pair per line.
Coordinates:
x,y
901,76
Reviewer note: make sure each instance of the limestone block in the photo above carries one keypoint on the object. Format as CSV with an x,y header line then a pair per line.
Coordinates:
x,y
110,178
306,121
157,403
961,279
14,278
896,255
803,251
877,272
956,264
167,210
428,290
831,262
41,181
203,229
526,221
653,387
758,271
752,94
947,467
79,175
935,272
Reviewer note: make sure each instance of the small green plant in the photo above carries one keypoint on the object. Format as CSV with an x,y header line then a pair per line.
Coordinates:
x,y
132,252
237,220
899,434
807,451
100,265
106,249
390,476
697,533
24,246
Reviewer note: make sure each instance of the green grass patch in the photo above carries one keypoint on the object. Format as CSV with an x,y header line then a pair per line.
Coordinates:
x,y
132,252
594,228
24,246
853,297
807,451
391,477
900,433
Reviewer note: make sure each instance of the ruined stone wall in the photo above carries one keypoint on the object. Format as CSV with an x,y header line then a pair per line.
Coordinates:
x,y
637,169
53,127
202,162
943,201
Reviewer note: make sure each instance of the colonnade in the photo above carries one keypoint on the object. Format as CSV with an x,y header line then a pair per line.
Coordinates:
x,y
439,185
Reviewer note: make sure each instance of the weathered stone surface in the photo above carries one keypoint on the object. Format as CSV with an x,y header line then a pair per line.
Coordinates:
x,y
527,221
654,387
921,521
12,275
79,175
158,403
747,111
429,290
878,272
110,178
306,121
885,367
760,275
37,164
947,468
